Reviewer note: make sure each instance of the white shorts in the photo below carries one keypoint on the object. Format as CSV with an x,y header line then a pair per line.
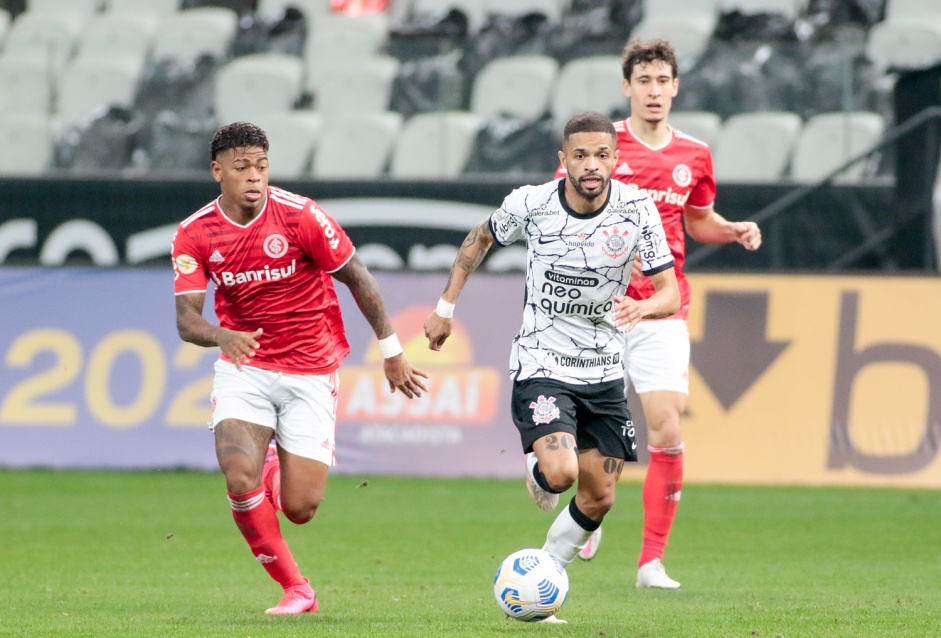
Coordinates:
x,y
300,408
657,356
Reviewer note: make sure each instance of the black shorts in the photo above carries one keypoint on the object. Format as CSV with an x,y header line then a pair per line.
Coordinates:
x,y
595,414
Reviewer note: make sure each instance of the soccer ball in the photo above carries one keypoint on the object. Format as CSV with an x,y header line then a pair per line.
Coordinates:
x,y
530,585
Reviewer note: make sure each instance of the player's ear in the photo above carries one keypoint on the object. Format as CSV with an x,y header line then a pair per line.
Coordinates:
x,y
676,86
626,87
562,158
216,169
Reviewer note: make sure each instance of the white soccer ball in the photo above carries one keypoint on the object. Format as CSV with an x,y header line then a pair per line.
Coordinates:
x,y
530,585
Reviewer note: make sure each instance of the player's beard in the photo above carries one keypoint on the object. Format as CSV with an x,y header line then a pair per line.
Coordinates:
x,y
586,194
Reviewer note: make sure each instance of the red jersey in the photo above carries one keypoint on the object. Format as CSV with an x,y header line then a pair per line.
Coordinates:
x,y
273,273
675,175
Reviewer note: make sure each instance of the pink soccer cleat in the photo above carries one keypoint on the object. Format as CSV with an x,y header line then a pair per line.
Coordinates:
x,y
296,600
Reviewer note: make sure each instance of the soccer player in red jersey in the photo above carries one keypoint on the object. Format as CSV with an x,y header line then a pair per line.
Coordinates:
x,y
273,256
676,171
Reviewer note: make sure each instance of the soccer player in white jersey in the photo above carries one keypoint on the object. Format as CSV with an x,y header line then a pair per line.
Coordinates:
x,y
273,256
582,233
676,171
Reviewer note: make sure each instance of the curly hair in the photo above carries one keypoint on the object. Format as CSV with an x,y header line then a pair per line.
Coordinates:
x,y
237,135
589,122
644,52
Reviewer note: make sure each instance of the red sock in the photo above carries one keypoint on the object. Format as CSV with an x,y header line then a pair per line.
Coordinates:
x,y
258,522
271,481
661,495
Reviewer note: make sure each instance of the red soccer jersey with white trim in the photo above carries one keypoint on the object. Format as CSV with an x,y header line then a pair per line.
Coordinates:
x,y
675,175
273,274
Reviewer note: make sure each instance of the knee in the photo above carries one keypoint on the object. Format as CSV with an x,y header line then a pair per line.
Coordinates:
x,y
300,513
241,478
561,478
596,506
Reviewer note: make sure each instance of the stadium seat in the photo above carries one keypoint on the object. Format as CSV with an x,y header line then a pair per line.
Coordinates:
x,y
519,85
703,125
252,85
686,24
474,10
112,35
91,83
435,145
48,38
157,7
909,38
311,9
830,139
194,32
363,85
552,9
4,25
787,8
26,86
28,141
356,147
589,83
343,38
292,137
83,8
756,147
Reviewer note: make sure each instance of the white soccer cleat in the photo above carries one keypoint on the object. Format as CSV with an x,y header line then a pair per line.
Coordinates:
x,y
553,620
652,574
591,547
545,500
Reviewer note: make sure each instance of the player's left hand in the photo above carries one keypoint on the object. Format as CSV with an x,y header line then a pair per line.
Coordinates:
x,y
627,312
748,235
404,377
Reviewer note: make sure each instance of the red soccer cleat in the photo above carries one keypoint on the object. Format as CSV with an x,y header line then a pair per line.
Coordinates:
x,y
296,600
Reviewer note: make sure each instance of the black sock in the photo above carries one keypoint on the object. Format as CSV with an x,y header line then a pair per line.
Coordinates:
x,y
579,517
541,480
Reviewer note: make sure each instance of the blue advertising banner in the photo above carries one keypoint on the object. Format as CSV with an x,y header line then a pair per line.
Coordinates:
x,y
94,375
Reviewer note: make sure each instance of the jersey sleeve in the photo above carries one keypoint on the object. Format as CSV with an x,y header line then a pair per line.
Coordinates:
x,y
655,255
323,238
508,221
189,269
703,194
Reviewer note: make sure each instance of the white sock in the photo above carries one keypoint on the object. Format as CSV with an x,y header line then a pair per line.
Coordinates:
x,y
531,461
566,537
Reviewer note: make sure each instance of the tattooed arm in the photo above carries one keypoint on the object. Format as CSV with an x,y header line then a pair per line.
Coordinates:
x,y
472,252
399,372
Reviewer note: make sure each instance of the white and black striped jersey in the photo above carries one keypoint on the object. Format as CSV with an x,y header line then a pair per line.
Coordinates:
x,y
576,264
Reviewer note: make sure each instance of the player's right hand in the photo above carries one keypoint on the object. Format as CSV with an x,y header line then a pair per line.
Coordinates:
x,y
238,346
437,329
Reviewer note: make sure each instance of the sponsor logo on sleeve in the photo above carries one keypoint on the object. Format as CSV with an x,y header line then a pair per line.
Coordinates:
x,y
185,264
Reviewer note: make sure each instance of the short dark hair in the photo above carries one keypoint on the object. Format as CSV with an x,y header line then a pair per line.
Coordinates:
x,y
237,135
589,122
644,52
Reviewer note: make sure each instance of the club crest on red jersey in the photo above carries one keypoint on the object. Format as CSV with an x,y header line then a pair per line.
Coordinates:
x,y
682,175
544,410
275,246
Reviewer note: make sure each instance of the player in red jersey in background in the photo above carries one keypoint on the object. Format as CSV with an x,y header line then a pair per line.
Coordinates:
x,y
676,171
271,255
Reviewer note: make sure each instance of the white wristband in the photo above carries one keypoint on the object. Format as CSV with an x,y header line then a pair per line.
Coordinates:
x,y
445,309
390,346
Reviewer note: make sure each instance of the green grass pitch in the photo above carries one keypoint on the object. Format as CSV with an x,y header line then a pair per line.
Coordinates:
x,y
103,554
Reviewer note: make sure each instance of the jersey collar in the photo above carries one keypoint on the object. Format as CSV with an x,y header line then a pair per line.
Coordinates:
x,y
574,213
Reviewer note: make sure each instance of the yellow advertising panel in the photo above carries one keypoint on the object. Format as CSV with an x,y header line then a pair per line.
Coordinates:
x,y
814,380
